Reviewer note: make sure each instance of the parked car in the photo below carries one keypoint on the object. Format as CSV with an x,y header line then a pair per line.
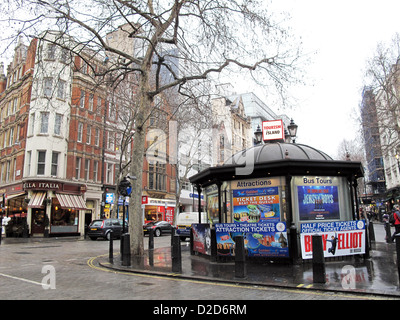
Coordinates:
x,y
158,227
102,228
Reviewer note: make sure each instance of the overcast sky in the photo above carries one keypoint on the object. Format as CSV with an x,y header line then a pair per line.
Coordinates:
x,y
343,35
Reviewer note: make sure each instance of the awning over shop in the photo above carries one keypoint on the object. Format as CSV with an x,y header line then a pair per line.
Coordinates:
x,y
12,196
71,201
37,200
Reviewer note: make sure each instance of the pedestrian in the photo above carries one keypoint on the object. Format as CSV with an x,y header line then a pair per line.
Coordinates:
x,y
396,216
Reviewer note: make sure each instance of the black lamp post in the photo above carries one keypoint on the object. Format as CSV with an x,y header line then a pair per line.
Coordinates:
x,y
258,134
292,127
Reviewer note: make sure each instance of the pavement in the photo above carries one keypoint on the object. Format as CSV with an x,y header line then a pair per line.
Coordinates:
x,y
377,275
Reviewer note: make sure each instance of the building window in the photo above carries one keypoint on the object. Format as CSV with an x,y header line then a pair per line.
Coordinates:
x,y
91,97
57,124
87,168
54,163
61,89
11,137
51,51
97,137
109,176
41,162
82,99
88,134
78,167
28,164
8,171
48,86
95,170
32,124
44,122
80,131
157,176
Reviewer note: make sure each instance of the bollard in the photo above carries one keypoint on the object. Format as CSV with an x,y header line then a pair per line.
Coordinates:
x,y
126,253
191,243
371,231
176,255
397,239
173,233
111,248
213,245
240,257
319,275
151,239
388,233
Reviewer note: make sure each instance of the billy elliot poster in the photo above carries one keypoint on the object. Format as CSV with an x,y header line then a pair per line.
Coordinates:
x,y
264,239
318,202
339,238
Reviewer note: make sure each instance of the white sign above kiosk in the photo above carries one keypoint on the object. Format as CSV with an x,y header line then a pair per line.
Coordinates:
x,y
273,130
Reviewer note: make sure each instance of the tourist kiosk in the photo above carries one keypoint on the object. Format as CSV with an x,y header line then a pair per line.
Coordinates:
x,y
277,195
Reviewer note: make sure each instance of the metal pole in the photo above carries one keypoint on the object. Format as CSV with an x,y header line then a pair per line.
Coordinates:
x,y
111,248
319,275
240,257
176,255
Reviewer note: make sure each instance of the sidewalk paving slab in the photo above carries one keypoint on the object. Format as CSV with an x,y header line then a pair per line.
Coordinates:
x,y
377,275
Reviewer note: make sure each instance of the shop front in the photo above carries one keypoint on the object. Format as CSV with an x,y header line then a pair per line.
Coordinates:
x,y
158,209
292,192
55,208
13,209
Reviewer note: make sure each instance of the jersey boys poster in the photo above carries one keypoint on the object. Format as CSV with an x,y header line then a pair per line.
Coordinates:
x,y
318,202
339,238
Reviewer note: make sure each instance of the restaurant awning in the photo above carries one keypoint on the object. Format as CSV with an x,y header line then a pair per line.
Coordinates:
x,y
37,200
70,201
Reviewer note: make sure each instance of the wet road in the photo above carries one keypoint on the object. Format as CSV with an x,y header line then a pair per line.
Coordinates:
x,y
27,270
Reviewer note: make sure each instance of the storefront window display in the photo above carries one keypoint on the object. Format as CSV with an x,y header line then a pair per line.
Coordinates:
x,y
63,220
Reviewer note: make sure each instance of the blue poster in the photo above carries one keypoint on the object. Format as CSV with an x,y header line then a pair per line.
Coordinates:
x,y
318,202
256,205
264,239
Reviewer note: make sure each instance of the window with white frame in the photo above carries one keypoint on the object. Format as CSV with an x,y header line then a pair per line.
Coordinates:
x,y
88,134
109,175
51,51
41,162
44,122
87,169
61,89
80,131
95,170
48,86
78,167
57,124
54,163
97,137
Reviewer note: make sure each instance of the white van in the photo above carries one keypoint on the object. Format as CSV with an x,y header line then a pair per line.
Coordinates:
x,y
185,221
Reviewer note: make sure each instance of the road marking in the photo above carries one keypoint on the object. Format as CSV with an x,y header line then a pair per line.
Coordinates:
x,y
90,263
18,278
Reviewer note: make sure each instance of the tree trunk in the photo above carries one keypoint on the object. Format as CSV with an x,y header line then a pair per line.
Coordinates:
x,y
138,153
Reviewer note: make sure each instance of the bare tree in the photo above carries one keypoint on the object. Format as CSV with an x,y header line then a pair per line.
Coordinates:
x,y
161,38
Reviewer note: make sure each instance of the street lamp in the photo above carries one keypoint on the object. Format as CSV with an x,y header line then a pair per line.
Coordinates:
x,y
292,127
258,134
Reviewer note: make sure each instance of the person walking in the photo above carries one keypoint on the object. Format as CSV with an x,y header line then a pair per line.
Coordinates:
x,y
396,216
